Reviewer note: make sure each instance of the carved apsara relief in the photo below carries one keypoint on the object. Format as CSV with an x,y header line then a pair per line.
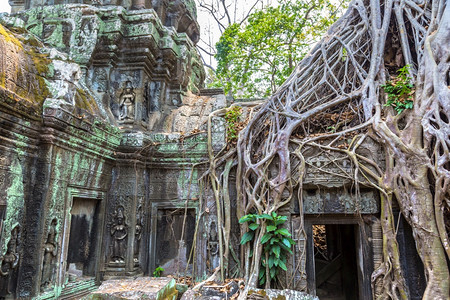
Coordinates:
x,y
127,101
119,233
9,263
50,252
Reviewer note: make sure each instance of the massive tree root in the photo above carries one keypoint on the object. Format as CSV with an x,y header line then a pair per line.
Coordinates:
x,y
340,80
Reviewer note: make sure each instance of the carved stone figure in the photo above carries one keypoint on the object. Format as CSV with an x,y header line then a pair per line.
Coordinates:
x,y
119,232
138,233
213,246
50,251
126,102
153,93
9,262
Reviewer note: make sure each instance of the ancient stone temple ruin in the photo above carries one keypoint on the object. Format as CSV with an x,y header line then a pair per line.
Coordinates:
x,y
102,140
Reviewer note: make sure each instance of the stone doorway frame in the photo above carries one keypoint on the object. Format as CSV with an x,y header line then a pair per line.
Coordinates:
x,y
75,192
155,206
364,255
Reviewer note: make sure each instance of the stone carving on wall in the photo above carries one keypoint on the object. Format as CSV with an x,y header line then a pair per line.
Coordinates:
x,y
101,79
153,95
57,30
213,246
9,262
119,233
50,251
127,102
138,233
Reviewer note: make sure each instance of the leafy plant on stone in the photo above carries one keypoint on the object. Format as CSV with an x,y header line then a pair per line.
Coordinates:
x,y
158,272
276,240
400,91
232,117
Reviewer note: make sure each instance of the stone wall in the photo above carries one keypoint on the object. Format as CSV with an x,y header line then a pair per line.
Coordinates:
x,y
71,153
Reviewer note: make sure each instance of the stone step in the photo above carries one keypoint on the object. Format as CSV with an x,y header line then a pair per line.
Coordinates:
x,y
162,288
78,289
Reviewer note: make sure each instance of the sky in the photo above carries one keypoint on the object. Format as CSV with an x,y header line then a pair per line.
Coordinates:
x,y
4,6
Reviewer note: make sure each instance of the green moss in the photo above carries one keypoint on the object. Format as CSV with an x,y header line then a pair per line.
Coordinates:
x,y
10,38
15,200
35,64
86,102
2,79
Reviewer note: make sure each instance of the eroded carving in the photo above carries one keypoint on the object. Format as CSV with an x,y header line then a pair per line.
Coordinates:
x,y
138,233
126,103
119,233
50,251
9,262
213,246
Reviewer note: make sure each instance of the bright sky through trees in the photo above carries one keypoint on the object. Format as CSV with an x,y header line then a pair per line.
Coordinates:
x,y
4,6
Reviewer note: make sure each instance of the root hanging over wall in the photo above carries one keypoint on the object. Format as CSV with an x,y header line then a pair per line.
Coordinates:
x,y
333,102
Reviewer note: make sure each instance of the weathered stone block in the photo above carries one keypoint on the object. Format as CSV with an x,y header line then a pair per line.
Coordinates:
x,y
139,288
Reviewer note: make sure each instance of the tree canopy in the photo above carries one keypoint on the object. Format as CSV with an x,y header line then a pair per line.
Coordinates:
x,y
255,58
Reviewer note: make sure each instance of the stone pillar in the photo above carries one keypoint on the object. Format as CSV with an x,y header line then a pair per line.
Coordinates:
x,y
125,210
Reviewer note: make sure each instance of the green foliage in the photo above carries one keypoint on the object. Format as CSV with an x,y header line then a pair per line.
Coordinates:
x,y
256,58
276,240
158,272
232,118
400,91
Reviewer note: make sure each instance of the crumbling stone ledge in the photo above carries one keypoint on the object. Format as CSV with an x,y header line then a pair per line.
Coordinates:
x,y
162,288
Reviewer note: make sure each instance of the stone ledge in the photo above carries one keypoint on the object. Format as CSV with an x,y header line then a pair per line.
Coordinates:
x,y
136,288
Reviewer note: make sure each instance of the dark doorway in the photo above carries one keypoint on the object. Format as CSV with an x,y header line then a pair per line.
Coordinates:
x,y
81,257
335,261
172,251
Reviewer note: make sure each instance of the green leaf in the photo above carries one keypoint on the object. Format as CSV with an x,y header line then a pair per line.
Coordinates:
x,y
276,250
266,237
271,228
280,220
283,231
271,260
250,254
274,240
288,249
247,218
286,242
272,273
264,216
262,272
276,261
282,265
247,237
253,226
